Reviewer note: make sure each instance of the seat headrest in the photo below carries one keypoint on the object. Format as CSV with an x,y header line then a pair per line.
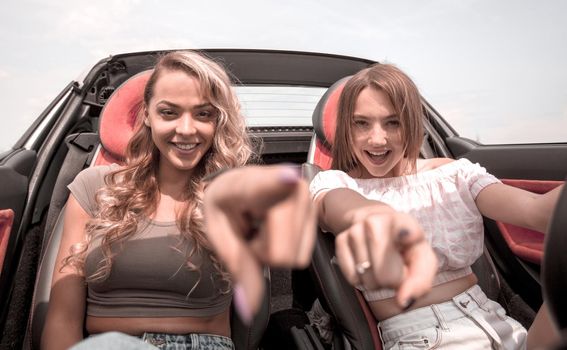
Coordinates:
x,y
118,117
324,124
325,113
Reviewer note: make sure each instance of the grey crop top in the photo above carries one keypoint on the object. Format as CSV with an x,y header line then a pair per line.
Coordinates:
x,y
149,276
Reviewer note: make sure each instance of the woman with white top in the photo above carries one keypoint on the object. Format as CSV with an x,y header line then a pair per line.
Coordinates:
x,y
388,209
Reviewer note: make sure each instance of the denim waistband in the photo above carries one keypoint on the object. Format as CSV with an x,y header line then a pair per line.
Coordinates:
x,y
188,341
430,316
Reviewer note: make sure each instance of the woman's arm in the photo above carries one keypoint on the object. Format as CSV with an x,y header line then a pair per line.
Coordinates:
x,y
543,332
376,246
66,313
515,206
340,208
255,216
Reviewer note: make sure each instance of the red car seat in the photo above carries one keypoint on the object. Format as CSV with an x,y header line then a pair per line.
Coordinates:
x,y
118,118
117,122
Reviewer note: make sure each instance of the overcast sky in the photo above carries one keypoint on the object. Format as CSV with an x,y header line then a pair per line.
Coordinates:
x,y
494,69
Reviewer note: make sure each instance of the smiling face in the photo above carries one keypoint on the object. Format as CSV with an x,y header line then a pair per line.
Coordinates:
x,y
376,136
182,122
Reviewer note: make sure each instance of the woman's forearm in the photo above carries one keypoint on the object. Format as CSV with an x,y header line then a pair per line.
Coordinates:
x,y
340,208
60,332
544,207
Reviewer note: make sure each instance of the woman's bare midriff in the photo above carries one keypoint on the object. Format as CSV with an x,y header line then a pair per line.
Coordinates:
x,y
387,308
218,324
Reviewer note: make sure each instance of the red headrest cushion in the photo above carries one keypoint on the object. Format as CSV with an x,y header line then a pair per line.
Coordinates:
x,y
325,113
118,117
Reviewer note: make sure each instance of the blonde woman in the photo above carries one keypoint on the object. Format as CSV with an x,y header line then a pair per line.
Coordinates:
x,y
134,257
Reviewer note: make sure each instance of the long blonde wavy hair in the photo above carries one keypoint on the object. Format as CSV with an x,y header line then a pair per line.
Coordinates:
x,y
132,192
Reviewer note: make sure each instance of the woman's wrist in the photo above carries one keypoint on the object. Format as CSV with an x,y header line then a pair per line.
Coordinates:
x,y
376,208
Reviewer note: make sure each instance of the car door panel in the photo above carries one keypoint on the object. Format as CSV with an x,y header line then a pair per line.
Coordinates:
x,y
525,243
15,168
527,162
6,220
14,171
517,251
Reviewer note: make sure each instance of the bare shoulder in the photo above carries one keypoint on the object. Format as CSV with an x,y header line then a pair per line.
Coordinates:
x,y
432,163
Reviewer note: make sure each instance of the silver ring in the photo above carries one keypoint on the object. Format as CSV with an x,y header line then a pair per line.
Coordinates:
x,y
362,267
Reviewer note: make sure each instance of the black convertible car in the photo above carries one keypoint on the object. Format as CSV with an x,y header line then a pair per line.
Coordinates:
x,y
288,98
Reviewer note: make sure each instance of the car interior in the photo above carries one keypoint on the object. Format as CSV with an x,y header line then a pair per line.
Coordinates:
x,y
92,124
91,121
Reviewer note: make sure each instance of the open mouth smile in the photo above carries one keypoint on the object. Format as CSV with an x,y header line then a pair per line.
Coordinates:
x,y
377,157
184,147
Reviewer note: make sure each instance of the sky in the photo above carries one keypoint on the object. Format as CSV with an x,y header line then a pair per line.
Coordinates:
x,y
495,70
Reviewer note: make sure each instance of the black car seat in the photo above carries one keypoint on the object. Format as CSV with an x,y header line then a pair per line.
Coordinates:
x,y
346,304
116,128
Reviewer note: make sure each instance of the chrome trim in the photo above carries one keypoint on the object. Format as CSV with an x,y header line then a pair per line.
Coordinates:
x,y
312,147
52,114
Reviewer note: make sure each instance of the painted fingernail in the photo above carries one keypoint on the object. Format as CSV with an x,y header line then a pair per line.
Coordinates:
x,y
408,304
241,305
402,234
289,175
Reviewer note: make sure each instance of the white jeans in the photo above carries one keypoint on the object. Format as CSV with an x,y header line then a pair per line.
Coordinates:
x,y
468,321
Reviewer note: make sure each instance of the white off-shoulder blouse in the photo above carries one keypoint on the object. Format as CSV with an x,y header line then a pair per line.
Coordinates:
x,y
442,200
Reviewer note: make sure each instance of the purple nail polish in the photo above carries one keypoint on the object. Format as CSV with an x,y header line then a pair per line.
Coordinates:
x,y
241,305
402,234
408,304
289,175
